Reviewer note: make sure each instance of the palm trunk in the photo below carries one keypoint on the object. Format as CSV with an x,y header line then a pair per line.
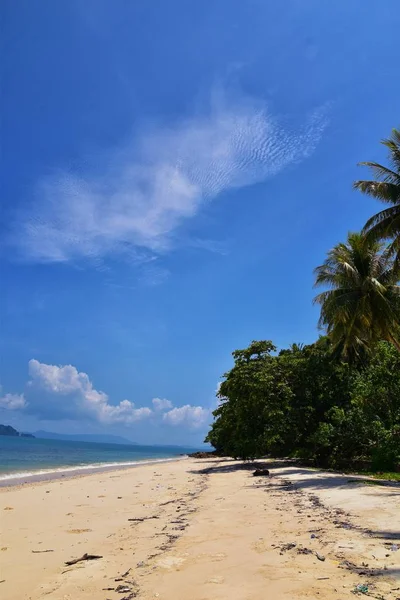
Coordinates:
x,y
395,343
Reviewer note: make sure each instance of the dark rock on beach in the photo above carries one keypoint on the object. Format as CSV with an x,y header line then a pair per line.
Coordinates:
x,y
202,454
261,473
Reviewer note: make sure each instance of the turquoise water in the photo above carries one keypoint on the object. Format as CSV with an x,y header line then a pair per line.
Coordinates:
x,y
26,457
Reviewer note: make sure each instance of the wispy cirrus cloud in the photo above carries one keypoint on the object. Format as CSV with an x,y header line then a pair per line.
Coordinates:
x,y
153,185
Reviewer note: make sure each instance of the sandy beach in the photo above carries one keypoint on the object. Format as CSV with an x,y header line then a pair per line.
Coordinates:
x,y
200,529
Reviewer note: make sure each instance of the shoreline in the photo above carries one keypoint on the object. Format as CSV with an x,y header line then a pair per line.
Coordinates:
x,y
16,478
202,529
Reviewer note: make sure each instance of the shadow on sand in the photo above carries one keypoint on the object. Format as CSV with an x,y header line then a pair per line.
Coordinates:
x,y
317,480
311,480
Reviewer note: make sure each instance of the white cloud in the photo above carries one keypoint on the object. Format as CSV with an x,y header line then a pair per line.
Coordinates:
x,y
146,191
13,401
191,416
71,395
76,390
161,404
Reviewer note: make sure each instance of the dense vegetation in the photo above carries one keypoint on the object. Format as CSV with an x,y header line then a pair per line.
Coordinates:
x,y
337,401
307,402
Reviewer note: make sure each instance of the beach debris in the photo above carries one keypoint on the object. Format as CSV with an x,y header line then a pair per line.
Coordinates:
x,y
82,558
41,551
362,588
171,501
9,508
286,547
343,524
313,536
140,519
304,551
126,573
121,589
394,547
346,564
320,557
261,473
322,578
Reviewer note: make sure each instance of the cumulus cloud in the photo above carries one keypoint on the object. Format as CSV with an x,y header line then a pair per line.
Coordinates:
x,y
191,416
63,392
76,392
12,401
146,191
161,404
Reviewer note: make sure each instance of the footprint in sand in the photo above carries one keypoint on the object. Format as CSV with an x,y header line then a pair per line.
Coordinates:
x,y
219,556
216,580
9,508
169,562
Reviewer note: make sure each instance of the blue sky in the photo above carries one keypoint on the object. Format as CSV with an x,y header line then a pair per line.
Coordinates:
x,y
172,172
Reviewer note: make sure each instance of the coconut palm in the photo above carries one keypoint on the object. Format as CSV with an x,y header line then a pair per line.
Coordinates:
x,y
362,305
385,187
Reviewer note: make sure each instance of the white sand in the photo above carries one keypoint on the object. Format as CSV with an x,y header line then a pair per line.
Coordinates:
x,y
217,535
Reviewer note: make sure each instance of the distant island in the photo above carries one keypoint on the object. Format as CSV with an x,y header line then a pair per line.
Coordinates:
x,y
10,431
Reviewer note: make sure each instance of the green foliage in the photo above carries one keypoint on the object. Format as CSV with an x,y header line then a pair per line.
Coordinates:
x,y
376,394
307,402
254,402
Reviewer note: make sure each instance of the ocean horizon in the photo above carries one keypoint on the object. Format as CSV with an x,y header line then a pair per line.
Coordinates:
x,y
38,458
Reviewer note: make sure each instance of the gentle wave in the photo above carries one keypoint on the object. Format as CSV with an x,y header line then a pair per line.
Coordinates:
x,y
88,467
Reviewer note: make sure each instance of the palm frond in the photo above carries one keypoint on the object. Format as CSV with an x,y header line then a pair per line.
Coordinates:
x,y
384,225
394,148
362,304
382,172
383,191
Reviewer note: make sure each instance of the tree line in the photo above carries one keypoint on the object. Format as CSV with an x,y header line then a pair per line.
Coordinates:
x,y
336,401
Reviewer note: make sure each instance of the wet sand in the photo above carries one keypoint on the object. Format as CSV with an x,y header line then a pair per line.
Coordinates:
x,y
200,529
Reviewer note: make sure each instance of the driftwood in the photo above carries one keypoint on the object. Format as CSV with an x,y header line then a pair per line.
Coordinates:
x,y
41,551
171,501
126,573
84,557
140,519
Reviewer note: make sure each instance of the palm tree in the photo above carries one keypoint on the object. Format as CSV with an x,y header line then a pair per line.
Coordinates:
x,y
362,305
385,187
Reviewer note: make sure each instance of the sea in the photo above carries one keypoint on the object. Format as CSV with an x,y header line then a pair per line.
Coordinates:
x,y
32,459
